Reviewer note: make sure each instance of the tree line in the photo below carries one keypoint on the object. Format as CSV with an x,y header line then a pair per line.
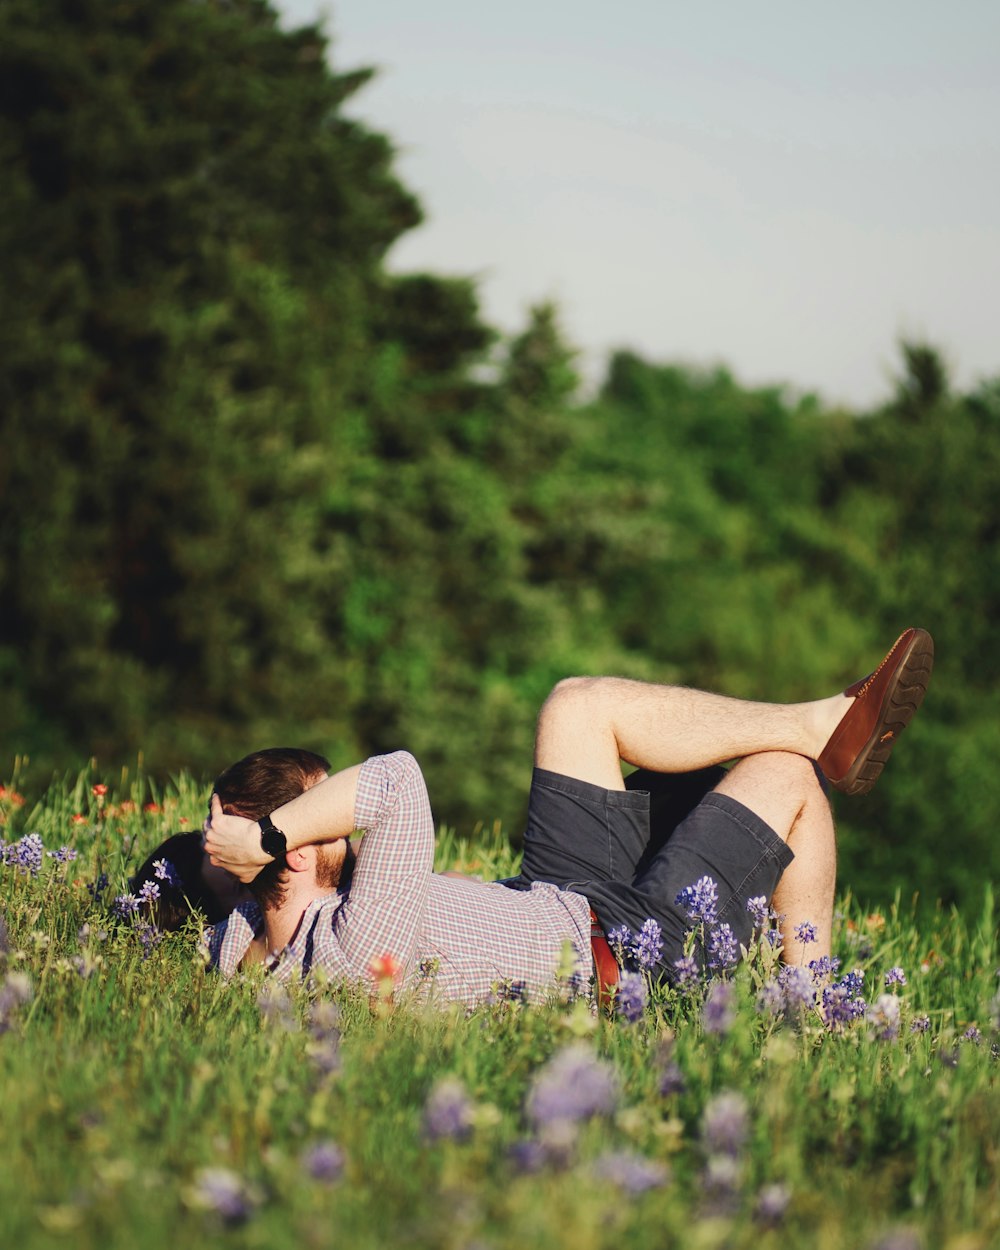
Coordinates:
x,y
256,488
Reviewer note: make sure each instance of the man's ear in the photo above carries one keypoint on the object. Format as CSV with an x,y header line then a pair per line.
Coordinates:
x,y
298,860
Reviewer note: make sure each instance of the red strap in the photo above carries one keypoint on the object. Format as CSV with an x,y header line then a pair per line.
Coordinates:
x,y
605,964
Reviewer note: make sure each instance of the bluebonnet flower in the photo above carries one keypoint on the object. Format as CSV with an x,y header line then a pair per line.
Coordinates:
x,y
65,855
895,976
620,941
686,972
96,888
771,999
825,966
276,1008
840,1007
717,1015
222,1191
805,933
126,905
632,996
724,1124
631,1172
723,951
150,937
797,985
883,1015
700,901
672,1080
324,1161
759,911
854,981
574,1085
149,892
25,854
973,1035
920,1024
647,947
773,937
448,1110
163,870
528,1155
772,1203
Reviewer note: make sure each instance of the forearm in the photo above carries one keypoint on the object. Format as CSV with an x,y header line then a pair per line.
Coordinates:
x,y
322,813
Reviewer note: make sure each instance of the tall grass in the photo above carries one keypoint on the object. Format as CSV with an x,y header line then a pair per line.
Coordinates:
x,y
145,1102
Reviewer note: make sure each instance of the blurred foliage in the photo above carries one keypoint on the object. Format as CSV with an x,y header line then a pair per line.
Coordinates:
x,y
255,488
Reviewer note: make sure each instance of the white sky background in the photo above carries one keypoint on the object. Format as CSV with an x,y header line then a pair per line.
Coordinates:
x,y
785,187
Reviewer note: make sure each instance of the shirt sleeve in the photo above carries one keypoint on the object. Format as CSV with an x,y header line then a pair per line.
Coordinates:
x,y
384,909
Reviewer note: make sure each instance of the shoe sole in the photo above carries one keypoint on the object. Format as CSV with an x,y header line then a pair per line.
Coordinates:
x,y
903,696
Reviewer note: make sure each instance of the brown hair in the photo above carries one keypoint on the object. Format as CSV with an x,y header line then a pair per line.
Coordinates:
x,y
257,784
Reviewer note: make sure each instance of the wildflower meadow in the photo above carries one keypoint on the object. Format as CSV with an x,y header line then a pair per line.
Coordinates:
x,y
849,1101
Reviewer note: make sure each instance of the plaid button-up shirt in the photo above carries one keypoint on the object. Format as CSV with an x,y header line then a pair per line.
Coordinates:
x,y
454,939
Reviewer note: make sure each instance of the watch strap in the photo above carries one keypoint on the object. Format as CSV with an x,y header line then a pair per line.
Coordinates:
x,y
272,840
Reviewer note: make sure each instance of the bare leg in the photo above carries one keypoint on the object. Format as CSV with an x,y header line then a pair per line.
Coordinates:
x,y
784,791
589,724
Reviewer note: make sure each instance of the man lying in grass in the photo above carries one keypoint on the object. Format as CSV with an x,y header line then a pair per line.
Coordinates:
x,y
592,863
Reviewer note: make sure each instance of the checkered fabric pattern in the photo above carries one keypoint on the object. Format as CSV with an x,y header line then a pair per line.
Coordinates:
x,y
454,939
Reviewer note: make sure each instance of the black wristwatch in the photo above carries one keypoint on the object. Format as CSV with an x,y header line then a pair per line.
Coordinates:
x,y
272,840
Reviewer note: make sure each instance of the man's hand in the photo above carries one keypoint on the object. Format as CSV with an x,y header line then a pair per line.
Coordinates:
x,y
233,843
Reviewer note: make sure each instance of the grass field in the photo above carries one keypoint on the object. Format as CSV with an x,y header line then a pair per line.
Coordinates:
x,y
146,1103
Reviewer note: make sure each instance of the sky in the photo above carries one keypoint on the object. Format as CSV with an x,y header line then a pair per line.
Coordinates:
x,y
784,188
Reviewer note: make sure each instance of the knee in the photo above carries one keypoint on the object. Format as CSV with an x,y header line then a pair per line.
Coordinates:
x,y
568,699
794,773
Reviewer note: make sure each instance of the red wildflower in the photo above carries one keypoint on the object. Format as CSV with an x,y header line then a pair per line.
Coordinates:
x,y
99,791
152,808
78,819
384,970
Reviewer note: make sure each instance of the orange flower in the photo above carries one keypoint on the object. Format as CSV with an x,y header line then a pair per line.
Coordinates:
x,y
99,791
78,819
152,808
385,969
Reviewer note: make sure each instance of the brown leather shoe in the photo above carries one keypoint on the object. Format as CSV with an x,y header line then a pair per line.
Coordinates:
x,y
884,704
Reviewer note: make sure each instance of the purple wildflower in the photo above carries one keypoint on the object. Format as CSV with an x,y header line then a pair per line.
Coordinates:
x,y
149,892
631,1172
759,911
883,1015
840,1007
797,985
25,854
772,1203
723,951
686,972
324,1161
854,981
724,1124
771,999
973,1035
825,966
631,997
920,1024
222,1191
65,855
895,976
620,941
163,870
96,888
773,937
448,1110
126,905
672,1080
805,933
648,945
700,901
574,1085
4,940
150,937
717,1015
528,1155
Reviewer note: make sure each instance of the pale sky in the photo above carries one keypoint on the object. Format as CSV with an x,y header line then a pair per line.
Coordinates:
x,y
783,187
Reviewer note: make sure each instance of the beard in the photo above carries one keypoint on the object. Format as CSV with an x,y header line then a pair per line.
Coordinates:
x,y
330,863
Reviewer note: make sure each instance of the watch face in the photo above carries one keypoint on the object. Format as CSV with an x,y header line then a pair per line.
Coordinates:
x,y
272,840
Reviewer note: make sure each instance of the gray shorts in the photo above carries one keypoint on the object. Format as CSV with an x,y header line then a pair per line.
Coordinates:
x,y
630,852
